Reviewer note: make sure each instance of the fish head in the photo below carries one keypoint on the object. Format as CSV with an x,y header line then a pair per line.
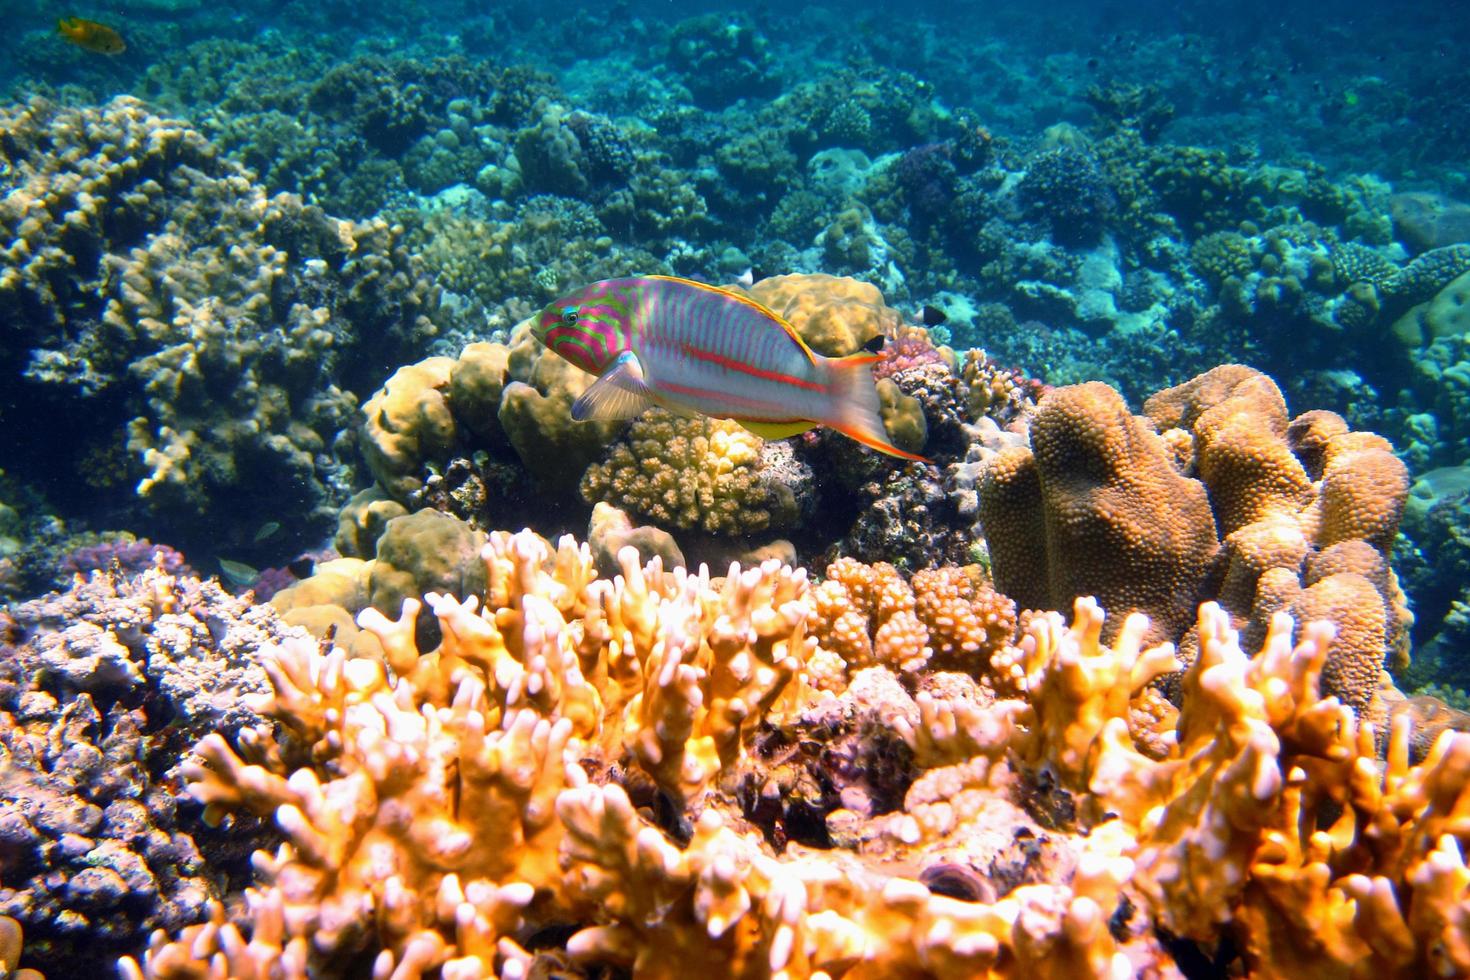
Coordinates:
x,y
589,327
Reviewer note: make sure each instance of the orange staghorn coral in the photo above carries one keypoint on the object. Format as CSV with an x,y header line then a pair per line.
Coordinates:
x,y
581,753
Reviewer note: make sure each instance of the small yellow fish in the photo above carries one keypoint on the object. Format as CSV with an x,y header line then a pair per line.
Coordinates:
x,y
91,35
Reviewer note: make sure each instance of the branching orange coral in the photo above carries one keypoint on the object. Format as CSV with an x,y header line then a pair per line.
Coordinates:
x,y
441,808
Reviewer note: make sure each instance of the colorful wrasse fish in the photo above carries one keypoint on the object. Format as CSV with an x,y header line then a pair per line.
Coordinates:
x,y
91,35
700,350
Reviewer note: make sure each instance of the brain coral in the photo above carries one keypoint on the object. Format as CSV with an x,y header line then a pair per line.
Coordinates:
x,y
1101,505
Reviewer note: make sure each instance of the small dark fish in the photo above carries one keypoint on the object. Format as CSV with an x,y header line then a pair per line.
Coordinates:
x,y
302,567
932,316
91,35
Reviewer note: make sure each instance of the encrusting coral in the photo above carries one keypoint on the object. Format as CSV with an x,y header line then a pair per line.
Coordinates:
x,y
588,756
220,321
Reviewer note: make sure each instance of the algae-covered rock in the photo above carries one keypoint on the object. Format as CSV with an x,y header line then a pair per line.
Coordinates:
x,y
1448,313
363,520
428,551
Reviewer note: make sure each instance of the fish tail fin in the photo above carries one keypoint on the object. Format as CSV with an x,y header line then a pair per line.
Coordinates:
x,y
856,410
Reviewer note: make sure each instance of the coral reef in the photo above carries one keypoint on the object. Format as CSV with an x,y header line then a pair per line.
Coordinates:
x,y
1066,187
559,758
210,324
835,315
102,690
1228,499
460,752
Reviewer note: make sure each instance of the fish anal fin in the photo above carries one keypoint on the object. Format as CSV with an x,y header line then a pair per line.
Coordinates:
x,y
872,440
777,430
620,393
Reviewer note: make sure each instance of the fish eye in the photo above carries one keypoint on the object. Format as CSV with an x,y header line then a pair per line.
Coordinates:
x,y
569,314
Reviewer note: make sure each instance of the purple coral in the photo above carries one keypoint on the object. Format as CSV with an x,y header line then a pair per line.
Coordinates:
x,y
128,556
927,178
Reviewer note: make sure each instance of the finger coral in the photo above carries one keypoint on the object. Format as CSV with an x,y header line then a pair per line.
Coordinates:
x,y
574,753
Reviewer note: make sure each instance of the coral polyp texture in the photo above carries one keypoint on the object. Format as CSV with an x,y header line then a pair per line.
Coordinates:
x,y
1213,493
590,756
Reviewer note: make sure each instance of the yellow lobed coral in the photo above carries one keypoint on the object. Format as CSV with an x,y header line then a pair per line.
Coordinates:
x,y
1096,507
836,315
1102,505
406,422
683,472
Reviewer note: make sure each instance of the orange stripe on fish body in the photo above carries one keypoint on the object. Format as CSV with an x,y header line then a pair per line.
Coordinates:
x,y
699,349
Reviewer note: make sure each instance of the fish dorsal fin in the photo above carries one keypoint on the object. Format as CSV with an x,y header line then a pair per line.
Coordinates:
x,y
777,430
620,393
760,308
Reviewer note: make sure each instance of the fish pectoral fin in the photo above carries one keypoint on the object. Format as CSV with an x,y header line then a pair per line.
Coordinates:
x,y
620,393
777,430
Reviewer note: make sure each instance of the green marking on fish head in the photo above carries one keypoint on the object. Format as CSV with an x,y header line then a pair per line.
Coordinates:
x,y
591,326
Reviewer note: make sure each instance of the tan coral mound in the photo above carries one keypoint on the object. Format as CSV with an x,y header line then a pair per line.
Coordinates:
x,y
441,808
1097,507
1127,508
836,315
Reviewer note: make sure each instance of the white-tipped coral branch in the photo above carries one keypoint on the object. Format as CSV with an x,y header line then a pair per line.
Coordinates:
x,y
600,755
